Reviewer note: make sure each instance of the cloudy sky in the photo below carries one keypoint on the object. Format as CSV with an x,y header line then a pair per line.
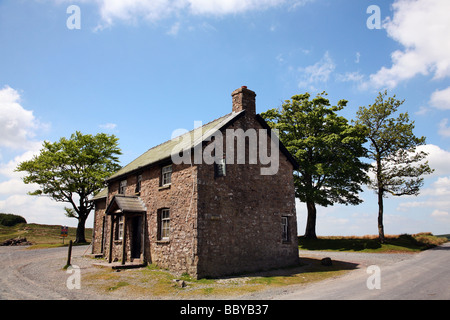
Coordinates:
x,y
140,69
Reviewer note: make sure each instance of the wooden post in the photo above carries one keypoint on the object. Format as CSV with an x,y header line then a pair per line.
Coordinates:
x,y
111,229
124,236
69,255
143,238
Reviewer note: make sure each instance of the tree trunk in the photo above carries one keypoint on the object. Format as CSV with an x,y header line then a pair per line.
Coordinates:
x,y
380,216
80,230
310,232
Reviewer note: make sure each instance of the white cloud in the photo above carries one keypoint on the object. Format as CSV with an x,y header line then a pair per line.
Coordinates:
x,y
173,31
437,158
17,125
444,130
131,11
422,28
317,73
350,77
440,99
442,186
439,214
108,126
223,7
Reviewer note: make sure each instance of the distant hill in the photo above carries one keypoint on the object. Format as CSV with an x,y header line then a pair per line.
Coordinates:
x,y
9,219
40,234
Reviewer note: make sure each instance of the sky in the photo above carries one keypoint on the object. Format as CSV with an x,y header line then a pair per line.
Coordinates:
x,y
141,69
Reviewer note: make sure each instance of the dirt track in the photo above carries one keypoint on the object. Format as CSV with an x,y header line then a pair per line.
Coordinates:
x,y
39,274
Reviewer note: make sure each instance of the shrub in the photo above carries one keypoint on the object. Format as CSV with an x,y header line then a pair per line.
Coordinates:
x,y
9,219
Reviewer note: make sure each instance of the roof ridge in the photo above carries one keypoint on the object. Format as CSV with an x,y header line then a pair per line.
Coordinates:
x,y
203,125
136,163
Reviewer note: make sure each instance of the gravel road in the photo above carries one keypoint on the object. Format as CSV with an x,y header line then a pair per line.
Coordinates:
x,y
419,276
39,274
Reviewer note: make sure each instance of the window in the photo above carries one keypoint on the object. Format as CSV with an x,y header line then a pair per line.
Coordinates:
x,y
164,224
120,229
166,175
138,183
122,186
285,228
220,168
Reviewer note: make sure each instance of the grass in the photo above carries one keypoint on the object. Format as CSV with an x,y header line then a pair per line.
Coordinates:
x,y
156,283
393,243
41,235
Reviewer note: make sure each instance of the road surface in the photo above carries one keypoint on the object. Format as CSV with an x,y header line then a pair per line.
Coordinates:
x,y
422,276
38,274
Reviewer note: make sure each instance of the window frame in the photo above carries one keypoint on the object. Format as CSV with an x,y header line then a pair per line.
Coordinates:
x,y
138,184
122,186
285,229
220,169
166,175
164,224
120,224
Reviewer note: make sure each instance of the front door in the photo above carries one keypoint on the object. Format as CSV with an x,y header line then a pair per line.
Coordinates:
x,y
136,236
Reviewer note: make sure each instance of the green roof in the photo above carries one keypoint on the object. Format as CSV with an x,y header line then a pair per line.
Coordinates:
x,y
184,142
101,194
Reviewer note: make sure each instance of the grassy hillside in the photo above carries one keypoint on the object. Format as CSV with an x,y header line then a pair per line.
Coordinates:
x,y
40,234
393,243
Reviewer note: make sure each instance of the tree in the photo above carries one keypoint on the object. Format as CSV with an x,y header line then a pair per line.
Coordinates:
x,y
327,149
397,166
71,170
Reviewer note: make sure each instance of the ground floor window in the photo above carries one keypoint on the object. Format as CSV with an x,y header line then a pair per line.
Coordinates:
x,y
164,224
119,230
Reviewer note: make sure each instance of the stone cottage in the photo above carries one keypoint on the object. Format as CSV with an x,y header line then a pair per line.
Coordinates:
x,y
202,217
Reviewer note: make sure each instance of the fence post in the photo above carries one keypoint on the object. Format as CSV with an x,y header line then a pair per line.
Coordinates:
x,y
69,254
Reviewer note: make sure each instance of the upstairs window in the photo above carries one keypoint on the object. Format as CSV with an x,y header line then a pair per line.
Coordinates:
x,y
285,229
122,186
138,183
166,175
220,168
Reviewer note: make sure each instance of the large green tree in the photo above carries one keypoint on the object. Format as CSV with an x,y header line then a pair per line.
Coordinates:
x,y
71,170
397,166
327,148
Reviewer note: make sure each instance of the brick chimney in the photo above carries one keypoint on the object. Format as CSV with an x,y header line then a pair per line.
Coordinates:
x,y
244,99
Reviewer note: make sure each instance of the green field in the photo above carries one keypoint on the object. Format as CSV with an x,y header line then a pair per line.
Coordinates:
x,y
40,235
393,243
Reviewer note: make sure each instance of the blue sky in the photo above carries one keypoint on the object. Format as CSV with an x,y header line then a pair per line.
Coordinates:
x,y
141,69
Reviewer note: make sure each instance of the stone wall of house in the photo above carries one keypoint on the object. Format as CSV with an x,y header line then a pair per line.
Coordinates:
x,y
218,225
99,227
178,253
240,216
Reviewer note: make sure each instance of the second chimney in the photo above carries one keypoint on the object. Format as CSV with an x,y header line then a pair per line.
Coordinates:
x,y
244,99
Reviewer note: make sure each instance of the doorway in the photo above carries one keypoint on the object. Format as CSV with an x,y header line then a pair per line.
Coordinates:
x,y
136,237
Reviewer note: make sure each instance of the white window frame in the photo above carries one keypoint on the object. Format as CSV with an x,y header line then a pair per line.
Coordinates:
x,y
166,175
165,224
120,229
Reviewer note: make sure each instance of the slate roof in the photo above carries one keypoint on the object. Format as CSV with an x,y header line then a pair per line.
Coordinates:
x,y
100,195
125,204
165,150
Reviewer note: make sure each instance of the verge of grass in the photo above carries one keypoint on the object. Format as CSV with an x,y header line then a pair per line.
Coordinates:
x,y
152,282
393,243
